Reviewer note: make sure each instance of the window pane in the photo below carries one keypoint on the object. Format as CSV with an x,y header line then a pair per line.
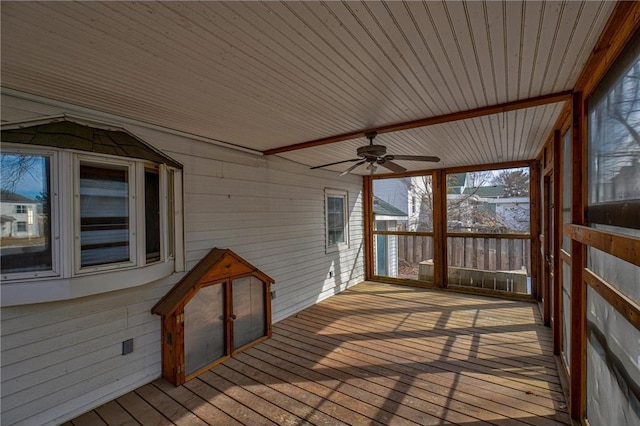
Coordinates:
x,y
335,220
249,309
492,263
613,365
25,213
492,201
391,204
104,215
152,214
406,257
614,145
204,328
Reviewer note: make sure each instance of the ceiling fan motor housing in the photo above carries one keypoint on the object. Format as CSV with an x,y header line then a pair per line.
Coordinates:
x,y
368,151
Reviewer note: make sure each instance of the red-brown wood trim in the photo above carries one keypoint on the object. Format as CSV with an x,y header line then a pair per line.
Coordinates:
x,y
622,24
496,236
440,268
203,369
547,240
566,257
429,121
461,169
621,246
228,317
367,192
578,354
409,233
249,345
535,221
268,309
629,309
557,238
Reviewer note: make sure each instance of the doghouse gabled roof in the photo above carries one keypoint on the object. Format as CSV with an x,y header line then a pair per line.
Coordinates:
x,y
218,265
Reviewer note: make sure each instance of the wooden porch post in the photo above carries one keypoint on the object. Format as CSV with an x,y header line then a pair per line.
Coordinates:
x,y
578,355
556,240
536,216
440,227
367,211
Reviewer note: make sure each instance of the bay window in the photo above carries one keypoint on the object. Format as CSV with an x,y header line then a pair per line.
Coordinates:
x,y
76,223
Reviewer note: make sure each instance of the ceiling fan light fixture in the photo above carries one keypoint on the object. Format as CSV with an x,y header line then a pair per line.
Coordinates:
x,y
377,155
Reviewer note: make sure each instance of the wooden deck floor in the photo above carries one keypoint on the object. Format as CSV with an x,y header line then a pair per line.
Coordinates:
x,y
374,355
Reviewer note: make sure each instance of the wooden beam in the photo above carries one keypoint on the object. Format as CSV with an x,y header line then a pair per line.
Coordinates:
x,y
430,121
407,233
535,221
489,235
625,306
547,238
440,266
578,355
460,169
555,241
621,246
367,195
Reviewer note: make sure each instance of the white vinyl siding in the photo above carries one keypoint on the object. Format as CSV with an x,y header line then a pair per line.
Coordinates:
x,y
60,359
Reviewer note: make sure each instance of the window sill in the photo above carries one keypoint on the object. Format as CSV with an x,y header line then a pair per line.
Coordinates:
x,y
49,290
336,248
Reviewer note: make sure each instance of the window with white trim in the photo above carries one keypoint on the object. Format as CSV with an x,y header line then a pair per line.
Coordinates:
x,y
337,219
69,214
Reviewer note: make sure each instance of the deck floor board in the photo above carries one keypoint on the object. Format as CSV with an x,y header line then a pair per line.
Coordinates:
x,y
376,354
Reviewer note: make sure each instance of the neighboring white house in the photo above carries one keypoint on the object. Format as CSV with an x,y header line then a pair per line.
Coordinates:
x,y
386,218
19,216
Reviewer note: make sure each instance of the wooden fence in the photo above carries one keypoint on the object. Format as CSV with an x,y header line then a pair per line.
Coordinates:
x,y
488,253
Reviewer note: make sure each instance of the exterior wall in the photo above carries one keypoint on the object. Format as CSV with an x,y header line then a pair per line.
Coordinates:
x,y
60,359
394,192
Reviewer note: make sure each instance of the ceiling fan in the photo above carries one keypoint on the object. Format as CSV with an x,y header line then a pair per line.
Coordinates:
x,y
377,155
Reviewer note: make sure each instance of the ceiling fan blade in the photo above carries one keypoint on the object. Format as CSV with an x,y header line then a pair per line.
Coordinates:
x,y
352,168
337,162
413,158
397,168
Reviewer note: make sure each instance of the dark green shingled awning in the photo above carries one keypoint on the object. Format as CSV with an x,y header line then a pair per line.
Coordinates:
x,y
71,135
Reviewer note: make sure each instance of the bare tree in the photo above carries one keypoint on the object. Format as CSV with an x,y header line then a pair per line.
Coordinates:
x,y
14,168
515,182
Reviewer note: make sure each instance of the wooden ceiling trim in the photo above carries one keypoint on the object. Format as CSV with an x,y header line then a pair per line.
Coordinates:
x,y
623,22
429,121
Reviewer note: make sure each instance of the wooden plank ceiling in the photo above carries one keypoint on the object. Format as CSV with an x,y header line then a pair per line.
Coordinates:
x,y
265,75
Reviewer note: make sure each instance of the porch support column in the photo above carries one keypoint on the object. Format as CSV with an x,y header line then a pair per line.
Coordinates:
x,y
556,239
578,355
367,207
440,227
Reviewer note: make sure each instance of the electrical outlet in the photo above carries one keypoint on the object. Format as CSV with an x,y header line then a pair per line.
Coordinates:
x,y
127,347
273,294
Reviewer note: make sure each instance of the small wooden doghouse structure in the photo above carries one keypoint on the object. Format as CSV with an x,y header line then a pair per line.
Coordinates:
x,y
221,307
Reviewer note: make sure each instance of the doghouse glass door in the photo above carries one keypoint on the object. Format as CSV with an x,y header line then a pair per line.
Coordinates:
x,y
204,328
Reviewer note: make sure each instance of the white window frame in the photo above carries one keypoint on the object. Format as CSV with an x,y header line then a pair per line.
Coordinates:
x,y
53,214
336,193
67,279
134,207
